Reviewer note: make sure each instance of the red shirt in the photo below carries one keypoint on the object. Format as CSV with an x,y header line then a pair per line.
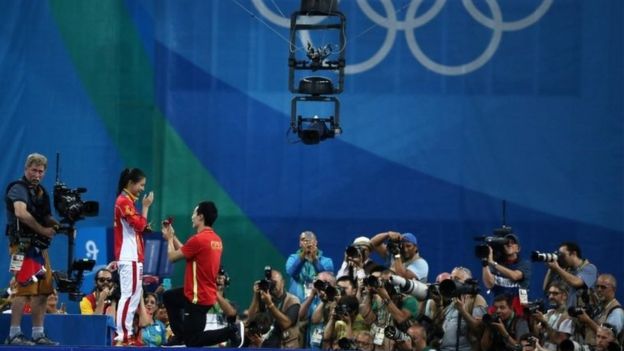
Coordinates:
x,y
128,229
203,258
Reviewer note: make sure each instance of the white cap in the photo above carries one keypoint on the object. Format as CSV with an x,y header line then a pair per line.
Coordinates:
x,y
362,241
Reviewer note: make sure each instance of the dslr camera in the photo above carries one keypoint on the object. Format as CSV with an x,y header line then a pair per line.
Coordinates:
x,y
330,291
353,251
537,256
534,306
266,284
488,319
393,333
452,288
341,310
394,246
345,343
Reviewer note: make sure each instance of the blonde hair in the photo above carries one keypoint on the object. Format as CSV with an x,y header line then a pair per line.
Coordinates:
x,y
37,160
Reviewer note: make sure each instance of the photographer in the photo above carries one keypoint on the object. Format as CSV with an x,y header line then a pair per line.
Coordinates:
x,y
357,263
402,254
282,308
459,314
503,328
605,338
341,321
577,273
510,275
610,310
305,264
100,301
323,292
383,306
29,218
556,325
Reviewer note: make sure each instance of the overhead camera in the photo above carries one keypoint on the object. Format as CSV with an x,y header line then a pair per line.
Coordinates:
x,y
321,88
537,256
452,288
71,282
313,130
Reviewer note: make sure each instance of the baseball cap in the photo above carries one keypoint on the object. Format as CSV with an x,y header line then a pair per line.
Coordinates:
x,y
410,238
566,327
362,241
513,237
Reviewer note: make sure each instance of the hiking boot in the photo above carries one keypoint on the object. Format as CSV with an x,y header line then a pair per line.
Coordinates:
x,y
19,340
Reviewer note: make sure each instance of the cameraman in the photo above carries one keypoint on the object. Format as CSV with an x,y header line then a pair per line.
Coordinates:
x,y
401,252
573,270
556,325
510,275
99,301
459,317
610,309
341,321
305,264
29,215
283,310
357,263
504,327
317,300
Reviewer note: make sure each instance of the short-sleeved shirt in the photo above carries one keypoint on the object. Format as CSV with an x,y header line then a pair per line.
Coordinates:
x,y
20,192
587,272
420,268
451,317
203,258
504,285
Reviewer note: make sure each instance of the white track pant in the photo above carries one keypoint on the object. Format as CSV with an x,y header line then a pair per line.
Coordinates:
x,y
131,286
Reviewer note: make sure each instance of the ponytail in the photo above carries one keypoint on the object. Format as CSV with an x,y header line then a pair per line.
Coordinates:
x,y
129,174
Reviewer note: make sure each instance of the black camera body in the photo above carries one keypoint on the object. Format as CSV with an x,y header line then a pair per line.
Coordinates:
x,y
341,310
71,282
452,288
266,284
345,343
534,306
330,291
394,246
68,203
372,282
488,319
353,251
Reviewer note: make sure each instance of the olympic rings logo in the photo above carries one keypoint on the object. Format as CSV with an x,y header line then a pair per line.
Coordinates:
x,y
412,22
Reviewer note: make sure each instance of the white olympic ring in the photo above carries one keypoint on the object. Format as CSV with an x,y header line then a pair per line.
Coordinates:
x,y
411,22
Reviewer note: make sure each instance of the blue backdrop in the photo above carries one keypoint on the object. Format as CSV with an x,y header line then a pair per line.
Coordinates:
x,y
449,108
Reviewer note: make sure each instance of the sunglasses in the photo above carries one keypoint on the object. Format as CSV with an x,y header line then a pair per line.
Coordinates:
x,y
104,280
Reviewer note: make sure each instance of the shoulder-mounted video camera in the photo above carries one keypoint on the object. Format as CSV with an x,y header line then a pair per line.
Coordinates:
x,y
496,241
